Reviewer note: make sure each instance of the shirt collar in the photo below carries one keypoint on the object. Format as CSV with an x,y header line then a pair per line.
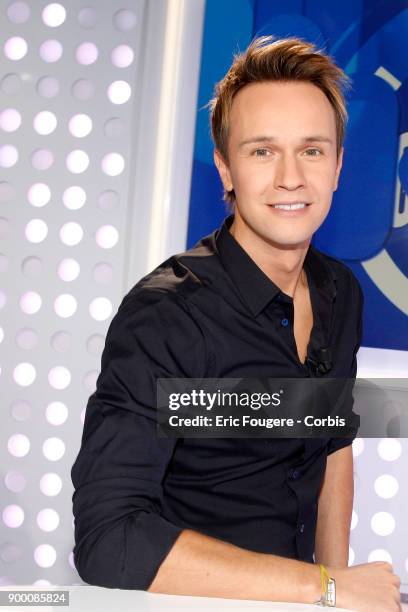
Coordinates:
x,y
254,286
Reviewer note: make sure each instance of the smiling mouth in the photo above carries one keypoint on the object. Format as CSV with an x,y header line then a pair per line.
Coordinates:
x,y
293,206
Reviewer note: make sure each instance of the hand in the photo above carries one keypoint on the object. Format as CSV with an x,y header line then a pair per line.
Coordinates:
x,y
370,587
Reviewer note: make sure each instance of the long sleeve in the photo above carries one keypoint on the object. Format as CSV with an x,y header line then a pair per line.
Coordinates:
x,y
120,536
357,299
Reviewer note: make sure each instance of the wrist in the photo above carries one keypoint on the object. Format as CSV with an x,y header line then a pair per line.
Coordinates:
x,y
312,587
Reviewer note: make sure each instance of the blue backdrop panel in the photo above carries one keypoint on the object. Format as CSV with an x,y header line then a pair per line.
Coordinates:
x,y
367,226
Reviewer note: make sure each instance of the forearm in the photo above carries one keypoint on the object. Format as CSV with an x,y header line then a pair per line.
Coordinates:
x,y
204,566
334,510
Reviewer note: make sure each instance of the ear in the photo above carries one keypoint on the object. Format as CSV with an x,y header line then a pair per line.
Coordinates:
x,y
338,168
223,170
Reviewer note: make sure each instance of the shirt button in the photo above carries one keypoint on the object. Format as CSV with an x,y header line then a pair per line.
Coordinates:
x,y
302,528
285,322
294,474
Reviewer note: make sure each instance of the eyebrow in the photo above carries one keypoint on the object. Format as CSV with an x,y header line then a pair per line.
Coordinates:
x,y
265,139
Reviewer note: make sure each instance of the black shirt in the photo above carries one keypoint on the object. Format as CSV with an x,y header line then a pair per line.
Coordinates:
x,y
208,312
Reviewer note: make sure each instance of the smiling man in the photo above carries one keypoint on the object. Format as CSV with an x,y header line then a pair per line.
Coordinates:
x,y
247,518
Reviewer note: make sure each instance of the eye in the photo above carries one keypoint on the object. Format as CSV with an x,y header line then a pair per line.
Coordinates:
x,y
261,152
317,151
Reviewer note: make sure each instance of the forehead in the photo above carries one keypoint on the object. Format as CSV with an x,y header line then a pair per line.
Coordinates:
x,y
291,108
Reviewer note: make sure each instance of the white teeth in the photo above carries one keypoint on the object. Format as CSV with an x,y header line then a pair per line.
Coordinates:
x,y
290,206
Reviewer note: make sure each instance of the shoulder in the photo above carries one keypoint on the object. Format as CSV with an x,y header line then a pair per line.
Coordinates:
x,y
172,285
159,307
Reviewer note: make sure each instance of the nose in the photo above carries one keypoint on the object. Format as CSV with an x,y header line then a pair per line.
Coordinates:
x,y
288,173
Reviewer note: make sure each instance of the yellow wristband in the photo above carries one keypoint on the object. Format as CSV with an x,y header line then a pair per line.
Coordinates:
x,y
328,597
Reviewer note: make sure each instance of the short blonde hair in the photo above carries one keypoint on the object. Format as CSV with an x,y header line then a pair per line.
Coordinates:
x,y
286,59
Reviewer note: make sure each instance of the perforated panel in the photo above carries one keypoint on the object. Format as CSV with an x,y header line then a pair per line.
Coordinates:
x,y
69,97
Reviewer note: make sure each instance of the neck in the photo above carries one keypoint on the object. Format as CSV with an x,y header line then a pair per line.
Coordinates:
x,y
282,264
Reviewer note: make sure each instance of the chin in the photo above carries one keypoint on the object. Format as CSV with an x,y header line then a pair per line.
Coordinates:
x,y
288,240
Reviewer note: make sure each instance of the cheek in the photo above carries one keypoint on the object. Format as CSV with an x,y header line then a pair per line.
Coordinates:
x,y
321,180
251,179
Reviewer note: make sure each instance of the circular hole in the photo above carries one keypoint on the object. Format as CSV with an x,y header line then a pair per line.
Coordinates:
x,y
107,236
42,159
7,192
20,410
100,309
124,20
71,560
27,338
80,125
51,51
68,269
89,381
83,89
24,374
10,553
30,302
59,377
32,267
39,194
113,128
95,344
18,12
74,197
48,87
108,200
45,123
36,231
86,53
383,523
18,445
71,233
379,555
77,161
8,156
48,519
87,18
45,555
389,449
113,164
65,305
15,481
119,92
103,273
61,341
386,486
53,449
10,120
56,413
122,56
13,516
54,15
15,48
50,484
3,299
11,84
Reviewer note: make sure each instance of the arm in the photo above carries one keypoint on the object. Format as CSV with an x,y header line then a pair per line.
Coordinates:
x,y
334,509
200,565
335,504
121,536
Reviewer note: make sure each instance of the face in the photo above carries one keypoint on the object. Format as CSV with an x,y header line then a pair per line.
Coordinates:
x,y
281,151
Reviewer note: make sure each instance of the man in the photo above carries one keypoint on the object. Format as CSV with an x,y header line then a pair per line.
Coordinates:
x,y
238,518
